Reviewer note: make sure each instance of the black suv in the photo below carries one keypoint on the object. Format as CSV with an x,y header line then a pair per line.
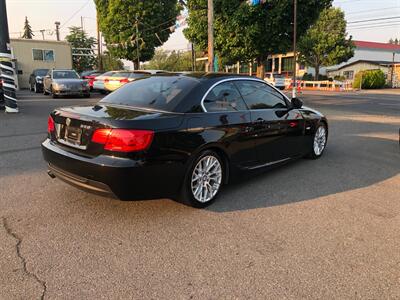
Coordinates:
x,y
36,80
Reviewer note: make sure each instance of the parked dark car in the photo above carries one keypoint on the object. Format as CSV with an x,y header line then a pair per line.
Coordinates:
x,y
65,83
90,77
36,80
181,136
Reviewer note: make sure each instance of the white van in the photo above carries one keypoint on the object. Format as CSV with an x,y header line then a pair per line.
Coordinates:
x,y
277,80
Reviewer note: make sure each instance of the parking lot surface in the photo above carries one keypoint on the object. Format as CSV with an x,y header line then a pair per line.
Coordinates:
x,y
326,229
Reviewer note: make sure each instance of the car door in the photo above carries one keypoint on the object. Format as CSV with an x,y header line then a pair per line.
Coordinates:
x,y
230,123
274,125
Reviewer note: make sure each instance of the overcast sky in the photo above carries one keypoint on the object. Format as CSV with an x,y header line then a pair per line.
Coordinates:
x,y
43,13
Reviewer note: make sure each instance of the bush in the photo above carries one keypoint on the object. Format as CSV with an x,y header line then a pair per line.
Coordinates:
x,y
371,79
307,77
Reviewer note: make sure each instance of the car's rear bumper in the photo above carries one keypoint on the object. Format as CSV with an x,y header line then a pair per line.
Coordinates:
x,y
125,178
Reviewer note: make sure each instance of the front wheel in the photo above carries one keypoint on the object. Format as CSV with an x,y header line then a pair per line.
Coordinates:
x,y
203,181
319,141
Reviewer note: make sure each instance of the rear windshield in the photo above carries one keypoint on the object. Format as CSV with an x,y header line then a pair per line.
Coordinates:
x,y
138,75
157,92
41,72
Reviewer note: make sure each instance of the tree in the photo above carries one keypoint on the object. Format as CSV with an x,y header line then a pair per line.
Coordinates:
x,y
132,27
244,32
110,63
82,49
394,41
326,43
28,33
173,61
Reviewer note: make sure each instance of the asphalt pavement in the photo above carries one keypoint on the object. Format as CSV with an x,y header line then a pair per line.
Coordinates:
x,y
324,229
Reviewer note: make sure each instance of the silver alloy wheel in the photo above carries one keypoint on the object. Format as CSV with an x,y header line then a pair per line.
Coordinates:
x,y
320,140
206,179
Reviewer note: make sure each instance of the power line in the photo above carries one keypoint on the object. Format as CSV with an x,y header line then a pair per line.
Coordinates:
x,y
377,26
370,10
371,20
75,13
373,24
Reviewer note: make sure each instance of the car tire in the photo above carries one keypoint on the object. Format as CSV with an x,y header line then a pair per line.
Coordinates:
x,y
45,92
52,93
86,95
35,88
31,88
200,189
319,142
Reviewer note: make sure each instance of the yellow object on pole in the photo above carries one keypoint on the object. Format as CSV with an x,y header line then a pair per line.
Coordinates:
x,y
210,15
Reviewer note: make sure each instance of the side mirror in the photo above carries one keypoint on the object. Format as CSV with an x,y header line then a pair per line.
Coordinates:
x,y
297,103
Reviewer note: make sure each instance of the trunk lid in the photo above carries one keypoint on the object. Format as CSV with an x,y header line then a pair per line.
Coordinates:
x,y
74,126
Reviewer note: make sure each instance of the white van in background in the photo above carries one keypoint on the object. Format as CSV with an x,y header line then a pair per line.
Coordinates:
x,y
277,80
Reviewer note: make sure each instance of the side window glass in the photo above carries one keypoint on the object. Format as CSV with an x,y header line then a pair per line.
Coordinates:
x,y
258,95
224,97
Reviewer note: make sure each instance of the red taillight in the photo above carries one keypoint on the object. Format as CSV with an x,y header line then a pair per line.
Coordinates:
x,y
125,80
123,140
50,125
106,80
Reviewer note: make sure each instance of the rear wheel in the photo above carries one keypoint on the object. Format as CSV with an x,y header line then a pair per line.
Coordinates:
x,y
319,142
203,181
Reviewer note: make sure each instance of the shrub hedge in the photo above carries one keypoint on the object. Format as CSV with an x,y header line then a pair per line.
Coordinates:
x,y
371,79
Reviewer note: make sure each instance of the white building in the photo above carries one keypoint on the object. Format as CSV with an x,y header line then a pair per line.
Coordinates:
x,y
373,52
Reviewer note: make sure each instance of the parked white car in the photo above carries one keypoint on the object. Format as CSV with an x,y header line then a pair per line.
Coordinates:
x,y
277,80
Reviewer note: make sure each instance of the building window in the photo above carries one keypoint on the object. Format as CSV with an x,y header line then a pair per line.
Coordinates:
x,y
269,65
43,55
348,74
287,64
276,66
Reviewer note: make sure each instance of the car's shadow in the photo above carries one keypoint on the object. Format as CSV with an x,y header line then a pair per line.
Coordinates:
x,y
351,161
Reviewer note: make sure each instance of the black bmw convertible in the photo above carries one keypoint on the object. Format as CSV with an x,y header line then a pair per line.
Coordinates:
x,y
181,136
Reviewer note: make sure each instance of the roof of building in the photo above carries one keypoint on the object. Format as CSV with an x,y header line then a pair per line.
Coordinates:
x,y
20,40
372,62
377,46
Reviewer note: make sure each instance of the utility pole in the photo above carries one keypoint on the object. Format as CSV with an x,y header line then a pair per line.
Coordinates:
x,y
210,15
99,45
82,23
58,30
392,75
137,44
294,91
193,58
7,74
42,32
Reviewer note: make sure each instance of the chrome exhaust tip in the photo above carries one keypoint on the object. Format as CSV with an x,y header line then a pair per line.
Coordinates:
x,y
51,174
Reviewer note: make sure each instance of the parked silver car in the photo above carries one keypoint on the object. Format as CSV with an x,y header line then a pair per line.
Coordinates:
x,y
65,83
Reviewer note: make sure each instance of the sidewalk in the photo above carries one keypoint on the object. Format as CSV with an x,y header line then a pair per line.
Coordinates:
x,y
353,92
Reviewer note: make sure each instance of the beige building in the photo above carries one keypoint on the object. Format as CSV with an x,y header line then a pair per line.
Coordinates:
x,y
348,71
37,54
